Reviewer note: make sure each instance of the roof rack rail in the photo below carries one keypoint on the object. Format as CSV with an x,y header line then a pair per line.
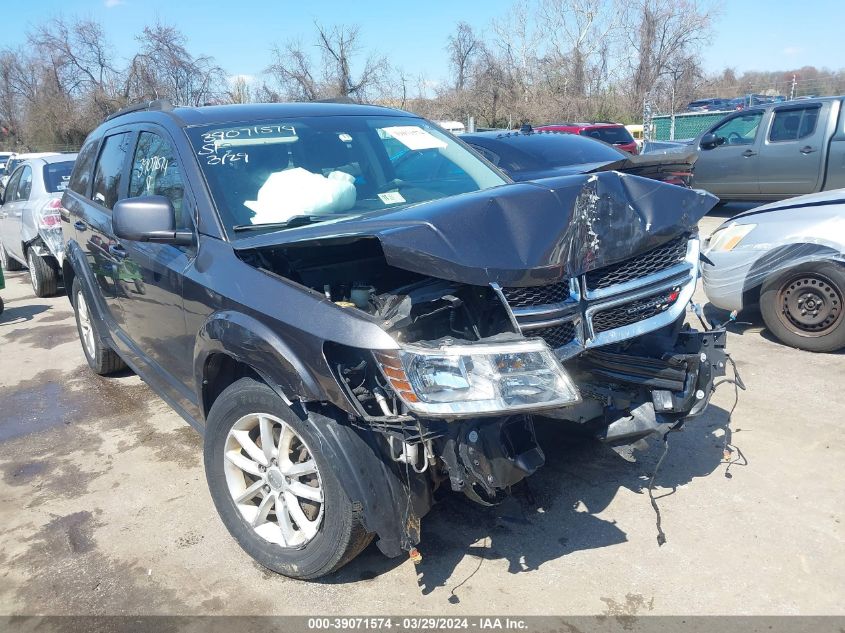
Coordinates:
x,y
157,104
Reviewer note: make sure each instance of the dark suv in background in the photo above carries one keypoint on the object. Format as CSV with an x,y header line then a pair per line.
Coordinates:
x,y
355,309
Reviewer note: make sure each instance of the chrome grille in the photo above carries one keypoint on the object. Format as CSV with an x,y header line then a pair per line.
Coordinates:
x,y
653,261
634,311
537,295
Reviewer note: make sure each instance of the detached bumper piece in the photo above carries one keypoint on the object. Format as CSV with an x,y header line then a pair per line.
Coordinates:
x,y
673,387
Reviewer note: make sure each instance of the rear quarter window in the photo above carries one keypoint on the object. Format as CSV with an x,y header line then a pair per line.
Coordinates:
x,y
57,176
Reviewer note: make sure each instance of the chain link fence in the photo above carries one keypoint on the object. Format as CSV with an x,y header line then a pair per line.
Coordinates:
x,y
686,125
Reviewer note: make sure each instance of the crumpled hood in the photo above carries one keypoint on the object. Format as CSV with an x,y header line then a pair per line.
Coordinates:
x,y
521,234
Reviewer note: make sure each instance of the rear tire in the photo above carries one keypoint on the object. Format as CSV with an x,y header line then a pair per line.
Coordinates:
x,y
43,276
7,261
102,359
332,533
803,306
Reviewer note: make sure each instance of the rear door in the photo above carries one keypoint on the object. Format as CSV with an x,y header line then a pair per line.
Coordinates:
x,y
13,211
732,168
792,156
7,235
152,298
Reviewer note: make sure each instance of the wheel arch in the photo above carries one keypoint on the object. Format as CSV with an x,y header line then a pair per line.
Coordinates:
x,y
231,345
782,258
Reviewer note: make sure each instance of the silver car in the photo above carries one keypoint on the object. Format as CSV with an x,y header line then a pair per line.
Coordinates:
x,y
30,223
787,257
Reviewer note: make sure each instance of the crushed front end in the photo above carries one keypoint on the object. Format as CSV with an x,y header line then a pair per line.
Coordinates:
x,y
588,328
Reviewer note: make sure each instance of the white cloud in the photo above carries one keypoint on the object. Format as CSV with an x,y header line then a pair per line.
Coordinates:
x,y
791,51
110,4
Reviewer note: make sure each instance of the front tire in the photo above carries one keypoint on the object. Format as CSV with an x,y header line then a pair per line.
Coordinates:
x,y
274,486
101,358
803,306
7,262
43,276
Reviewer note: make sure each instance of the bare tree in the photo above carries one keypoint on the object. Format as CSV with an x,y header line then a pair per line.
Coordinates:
x,y
165,68
293,71
661,34
303,78
463,47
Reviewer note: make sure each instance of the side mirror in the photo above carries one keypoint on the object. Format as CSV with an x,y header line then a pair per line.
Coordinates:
x,y
148,219
709,141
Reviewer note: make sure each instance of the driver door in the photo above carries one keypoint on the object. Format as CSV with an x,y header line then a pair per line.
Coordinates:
x,y
733,166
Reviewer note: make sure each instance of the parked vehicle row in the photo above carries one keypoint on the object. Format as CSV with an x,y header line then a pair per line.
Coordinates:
x,y
356,309
737,103
530,155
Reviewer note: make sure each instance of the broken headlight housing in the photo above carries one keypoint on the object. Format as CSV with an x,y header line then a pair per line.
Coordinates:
x,y
457,380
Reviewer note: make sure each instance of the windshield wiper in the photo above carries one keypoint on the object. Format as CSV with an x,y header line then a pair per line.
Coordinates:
x,y
297,220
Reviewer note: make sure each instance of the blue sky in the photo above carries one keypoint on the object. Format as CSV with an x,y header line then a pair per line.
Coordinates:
x,y
748,35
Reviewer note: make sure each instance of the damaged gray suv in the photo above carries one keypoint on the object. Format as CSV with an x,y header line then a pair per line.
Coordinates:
x,y
355,310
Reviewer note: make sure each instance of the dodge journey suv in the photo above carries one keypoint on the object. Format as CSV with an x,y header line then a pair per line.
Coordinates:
x,y
355,309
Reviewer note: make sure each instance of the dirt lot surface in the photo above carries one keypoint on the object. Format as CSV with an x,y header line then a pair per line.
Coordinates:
x,y
104,507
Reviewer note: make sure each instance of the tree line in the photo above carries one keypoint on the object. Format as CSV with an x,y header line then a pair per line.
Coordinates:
x,y
543,61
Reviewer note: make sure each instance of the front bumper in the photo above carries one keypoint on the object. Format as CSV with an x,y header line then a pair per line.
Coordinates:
x,y
724,279
668,389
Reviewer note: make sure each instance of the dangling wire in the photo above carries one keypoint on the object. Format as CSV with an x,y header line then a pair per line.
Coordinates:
x,y
727,447
661,536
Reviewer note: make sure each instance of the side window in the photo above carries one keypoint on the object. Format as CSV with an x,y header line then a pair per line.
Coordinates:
x,y
25,186
12,187
109,168
793,124
740,130
81,177
156,172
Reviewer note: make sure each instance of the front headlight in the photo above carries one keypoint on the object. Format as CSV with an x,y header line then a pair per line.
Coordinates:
x,y
455,380
726,239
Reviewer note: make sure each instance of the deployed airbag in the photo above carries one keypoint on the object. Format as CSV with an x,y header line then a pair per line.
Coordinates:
x,y
297,191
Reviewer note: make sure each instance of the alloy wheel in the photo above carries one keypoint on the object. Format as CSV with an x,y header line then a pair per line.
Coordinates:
x,y
273,480
85,326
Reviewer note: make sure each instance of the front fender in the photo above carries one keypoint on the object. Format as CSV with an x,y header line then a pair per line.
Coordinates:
x,y
249,341
787,256
74,261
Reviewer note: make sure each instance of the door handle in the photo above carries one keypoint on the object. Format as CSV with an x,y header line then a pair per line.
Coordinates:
x,y
79,225
807,149
117,251
749,153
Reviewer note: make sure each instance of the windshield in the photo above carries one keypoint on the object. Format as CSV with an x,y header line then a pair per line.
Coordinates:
x,y
283,174
57,176
612,135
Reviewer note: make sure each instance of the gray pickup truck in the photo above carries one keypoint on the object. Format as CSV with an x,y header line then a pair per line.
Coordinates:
x,y
774,152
